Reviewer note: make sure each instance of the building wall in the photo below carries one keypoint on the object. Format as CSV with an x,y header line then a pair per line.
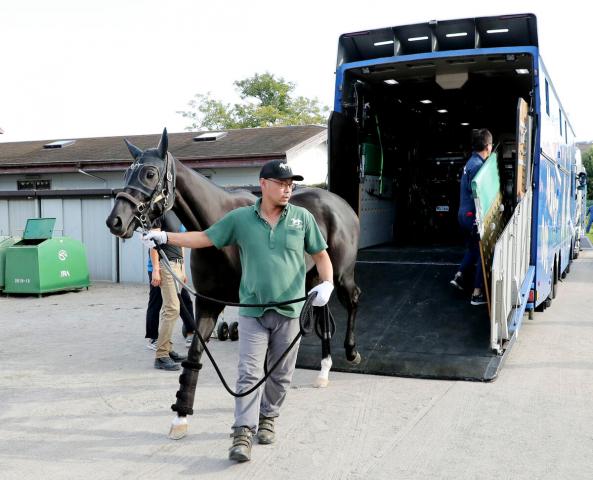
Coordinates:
x,y
109,258
311,163
232,176
66,181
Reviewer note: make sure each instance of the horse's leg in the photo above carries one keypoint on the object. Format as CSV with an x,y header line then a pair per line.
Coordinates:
x,y
348,294
322,379
188,380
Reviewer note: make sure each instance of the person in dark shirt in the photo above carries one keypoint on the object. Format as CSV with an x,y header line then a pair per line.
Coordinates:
x,y
166,357
482,148
590,222
155,303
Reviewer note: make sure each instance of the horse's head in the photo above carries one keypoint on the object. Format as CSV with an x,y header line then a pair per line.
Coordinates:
x,y
149,189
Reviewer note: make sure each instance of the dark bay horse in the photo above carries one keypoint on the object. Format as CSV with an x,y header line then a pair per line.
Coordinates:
x,y
156,180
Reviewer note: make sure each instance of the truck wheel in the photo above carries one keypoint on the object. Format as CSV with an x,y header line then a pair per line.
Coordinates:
x,y
530,314
234,331
223,331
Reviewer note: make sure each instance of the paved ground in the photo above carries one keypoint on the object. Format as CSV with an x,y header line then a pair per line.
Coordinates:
x,y
79,399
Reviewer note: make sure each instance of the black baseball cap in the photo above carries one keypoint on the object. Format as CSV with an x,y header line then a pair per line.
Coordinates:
x,y
278,169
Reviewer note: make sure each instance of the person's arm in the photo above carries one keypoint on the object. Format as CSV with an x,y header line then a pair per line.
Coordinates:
x,y
326,274
156,267
187,239
183,275
324,266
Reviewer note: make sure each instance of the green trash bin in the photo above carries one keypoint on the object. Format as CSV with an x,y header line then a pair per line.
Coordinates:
x,y
41,264
5,243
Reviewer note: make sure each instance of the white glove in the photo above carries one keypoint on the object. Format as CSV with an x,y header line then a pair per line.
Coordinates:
x,y
324,291
150,239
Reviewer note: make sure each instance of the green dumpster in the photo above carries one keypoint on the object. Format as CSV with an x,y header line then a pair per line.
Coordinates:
x,y
41,264
5,242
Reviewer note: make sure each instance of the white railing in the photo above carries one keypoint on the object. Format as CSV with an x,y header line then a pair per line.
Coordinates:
x,y
509,267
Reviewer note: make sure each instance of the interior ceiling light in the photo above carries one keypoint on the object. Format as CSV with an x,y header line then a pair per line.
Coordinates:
x,y
522,71
442,110
417,39
465,124
386,42
458,34
498,30
426,101
391,81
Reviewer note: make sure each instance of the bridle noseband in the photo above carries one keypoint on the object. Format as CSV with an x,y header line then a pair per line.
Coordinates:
x,y
161,197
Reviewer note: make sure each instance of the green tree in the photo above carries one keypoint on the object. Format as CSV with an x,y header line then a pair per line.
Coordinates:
x,y
267,102
588,163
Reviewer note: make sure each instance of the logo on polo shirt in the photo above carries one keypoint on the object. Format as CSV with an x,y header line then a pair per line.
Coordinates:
x,y
295,223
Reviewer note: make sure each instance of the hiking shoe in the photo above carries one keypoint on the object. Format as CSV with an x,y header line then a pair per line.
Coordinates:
x,y
240,451
188,340
165,363
479,299
457,281
151,345
265,430
176,357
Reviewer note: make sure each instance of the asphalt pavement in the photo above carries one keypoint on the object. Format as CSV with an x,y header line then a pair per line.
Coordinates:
x,y
79,398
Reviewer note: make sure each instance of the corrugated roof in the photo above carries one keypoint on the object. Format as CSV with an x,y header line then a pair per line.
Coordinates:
x,y
238,144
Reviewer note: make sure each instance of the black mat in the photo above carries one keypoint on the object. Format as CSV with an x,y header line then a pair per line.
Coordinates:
x,y
411,322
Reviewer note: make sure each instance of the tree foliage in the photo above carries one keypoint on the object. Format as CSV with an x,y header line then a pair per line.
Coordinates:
x,y
588,163
267,102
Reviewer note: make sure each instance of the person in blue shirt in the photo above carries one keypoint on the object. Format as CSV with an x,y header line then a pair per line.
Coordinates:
x,y
590,222
482,148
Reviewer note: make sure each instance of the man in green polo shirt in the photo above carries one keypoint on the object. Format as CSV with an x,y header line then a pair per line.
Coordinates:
x,y
273,237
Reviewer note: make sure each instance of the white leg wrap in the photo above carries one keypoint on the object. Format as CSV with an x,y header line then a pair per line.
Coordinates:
x,y
322,379
178,428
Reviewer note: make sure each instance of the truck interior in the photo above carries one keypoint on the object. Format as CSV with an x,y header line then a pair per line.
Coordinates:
x,y
415,135
397,151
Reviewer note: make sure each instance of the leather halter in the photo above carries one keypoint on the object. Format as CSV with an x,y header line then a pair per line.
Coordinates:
x,y
161,197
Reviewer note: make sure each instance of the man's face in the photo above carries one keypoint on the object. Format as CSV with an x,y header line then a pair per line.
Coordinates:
x,y
276,191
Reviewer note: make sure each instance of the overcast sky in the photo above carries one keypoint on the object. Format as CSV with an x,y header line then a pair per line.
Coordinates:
x,y
86,68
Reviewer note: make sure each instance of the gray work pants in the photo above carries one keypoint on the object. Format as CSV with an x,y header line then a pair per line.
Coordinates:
x,y
272,332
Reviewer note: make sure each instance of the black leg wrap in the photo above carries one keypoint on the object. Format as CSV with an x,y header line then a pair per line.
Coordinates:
x,y
187,388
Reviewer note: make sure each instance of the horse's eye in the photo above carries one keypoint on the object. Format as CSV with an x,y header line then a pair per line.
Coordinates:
x,y
150,174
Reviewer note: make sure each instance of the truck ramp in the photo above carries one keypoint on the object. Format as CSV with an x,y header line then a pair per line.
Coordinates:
x,y
410,321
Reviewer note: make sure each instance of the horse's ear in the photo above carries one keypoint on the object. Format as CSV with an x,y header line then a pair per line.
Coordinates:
x,y
163,144
134,150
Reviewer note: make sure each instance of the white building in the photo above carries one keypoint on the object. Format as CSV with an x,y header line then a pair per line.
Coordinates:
x,y
76,181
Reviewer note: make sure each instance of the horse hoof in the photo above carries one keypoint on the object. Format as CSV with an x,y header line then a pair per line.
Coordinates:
x,y
357,359
178,431
320,382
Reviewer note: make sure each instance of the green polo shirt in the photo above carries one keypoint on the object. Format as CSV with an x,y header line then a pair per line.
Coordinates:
x,y
272,260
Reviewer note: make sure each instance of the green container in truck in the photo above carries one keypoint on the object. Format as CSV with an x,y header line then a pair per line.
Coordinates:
x,y
371,157
5,242
41,264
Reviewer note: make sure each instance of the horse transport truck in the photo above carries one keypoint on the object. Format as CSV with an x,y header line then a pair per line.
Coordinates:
x,y
406,101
